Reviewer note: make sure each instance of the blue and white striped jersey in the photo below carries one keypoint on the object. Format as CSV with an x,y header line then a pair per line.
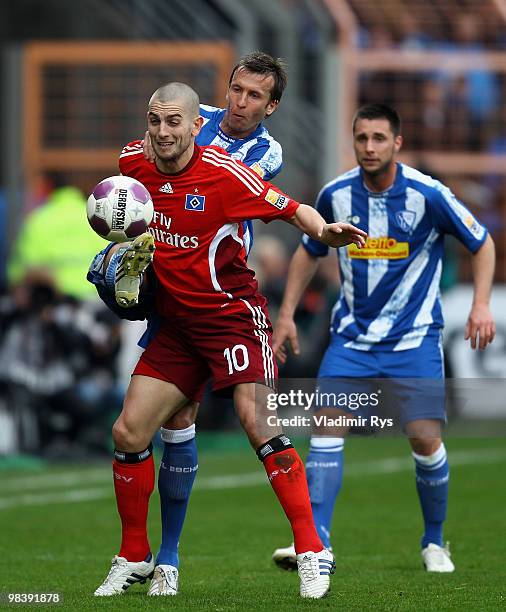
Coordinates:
x,y
389,298
259,150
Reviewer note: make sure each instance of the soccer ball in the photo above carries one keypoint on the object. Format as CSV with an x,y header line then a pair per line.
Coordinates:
x,y
120,208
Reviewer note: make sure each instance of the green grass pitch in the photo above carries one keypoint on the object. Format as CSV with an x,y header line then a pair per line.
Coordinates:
x,y
51,542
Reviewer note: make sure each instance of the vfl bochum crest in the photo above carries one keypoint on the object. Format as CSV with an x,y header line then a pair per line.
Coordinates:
x,y
194,202
405,219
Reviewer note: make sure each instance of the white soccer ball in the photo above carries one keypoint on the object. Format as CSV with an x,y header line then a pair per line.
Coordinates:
x,y
120,208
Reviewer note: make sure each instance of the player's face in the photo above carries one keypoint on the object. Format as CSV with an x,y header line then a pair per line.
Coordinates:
x,y
375,145
172,129
249,102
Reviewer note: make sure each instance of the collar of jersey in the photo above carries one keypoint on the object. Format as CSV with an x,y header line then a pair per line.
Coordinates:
x,y
190,164
231,139
392,190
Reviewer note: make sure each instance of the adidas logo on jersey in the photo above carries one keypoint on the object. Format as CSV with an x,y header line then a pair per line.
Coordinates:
x,y
167,188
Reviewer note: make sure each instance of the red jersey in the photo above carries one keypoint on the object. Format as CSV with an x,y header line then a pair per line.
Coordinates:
x,y
200,257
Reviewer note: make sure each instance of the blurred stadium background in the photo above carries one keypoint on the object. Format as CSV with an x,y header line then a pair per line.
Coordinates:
x,y
74,91
75,78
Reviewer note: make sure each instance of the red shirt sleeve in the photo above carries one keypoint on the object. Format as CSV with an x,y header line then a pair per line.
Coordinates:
x,y
129,153
244,194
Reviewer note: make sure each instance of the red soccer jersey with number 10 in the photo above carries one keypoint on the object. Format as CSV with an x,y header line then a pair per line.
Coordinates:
x,y
200,258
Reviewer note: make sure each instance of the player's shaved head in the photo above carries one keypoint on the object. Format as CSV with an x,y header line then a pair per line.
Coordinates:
x,y
180,92
174,121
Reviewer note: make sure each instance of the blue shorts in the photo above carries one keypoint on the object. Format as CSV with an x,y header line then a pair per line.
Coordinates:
x,y
412,380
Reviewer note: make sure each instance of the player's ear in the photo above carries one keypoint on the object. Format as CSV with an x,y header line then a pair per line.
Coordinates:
x,y
271,107
398,143
197,126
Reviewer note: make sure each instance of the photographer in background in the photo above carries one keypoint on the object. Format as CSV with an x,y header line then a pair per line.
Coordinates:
x,y
56,377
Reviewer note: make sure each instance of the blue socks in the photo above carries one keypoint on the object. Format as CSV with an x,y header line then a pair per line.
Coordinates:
x,y
178,469
432,474
324,471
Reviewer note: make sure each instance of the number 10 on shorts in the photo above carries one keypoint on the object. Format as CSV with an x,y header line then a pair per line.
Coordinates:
x,y
237,358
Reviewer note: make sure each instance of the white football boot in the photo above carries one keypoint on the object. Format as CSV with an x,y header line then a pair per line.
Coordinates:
x,y
285,558
314,573
135,259
437,559
123,574
165,581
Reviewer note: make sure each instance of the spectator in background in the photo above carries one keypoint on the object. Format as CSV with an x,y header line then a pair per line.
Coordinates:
x,y
56,238
483,94
464,103
57,370
433,115
476,89
377,38
413,38
59,346
377,85
3,241
496,181
270,262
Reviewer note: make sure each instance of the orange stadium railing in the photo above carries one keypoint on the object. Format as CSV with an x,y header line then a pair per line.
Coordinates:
x,y
456,164
393,75
61,80
399,63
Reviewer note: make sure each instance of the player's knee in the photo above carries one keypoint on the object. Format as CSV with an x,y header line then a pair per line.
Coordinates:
x,y
425,446
127,439
183,419
121,436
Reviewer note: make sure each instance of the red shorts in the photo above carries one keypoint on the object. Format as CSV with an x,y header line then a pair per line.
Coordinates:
x,y
231,346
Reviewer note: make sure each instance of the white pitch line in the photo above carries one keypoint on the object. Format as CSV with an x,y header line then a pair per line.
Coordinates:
x,y
389,465
44,499
59,479
231,481
102,475
399,464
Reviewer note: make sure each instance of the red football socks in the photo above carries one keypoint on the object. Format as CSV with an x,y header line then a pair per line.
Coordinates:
x,y
288,479
133,485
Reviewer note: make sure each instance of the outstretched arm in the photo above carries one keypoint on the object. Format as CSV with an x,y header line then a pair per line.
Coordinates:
x,y
480,326
302,269
335,235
